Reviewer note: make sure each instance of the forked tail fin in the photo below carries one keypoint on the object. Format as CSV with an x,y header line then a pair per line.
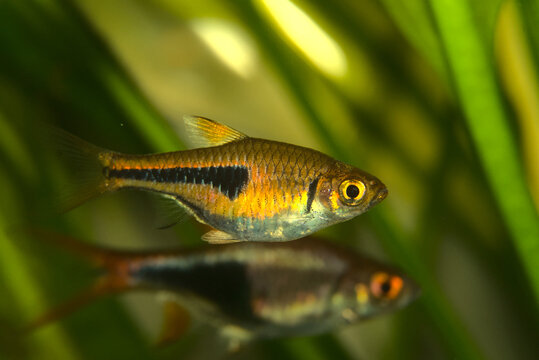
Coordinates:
x,y
99,289
83,161
114,280
100,257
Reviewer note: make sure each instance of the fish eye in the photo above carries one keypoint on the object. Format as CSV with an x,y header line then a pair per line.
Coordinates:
x,y
384,286
352,190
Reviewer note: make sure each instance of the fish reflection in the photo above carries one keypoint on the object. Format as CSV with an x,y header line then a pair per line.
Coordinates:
x,y
252,290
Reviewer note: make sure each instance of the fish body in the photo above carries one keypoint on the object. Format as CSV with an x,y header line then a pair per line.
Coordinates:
x,y
247,189
262,290
273,290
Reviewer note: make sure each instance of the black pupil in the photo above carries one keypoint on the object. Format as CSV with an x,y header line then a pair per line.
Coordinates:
x,y
352,191
386,286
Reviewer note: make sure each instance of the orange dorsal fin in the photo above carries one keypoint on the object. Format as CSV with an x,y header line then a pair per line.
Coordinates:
x,y
205,132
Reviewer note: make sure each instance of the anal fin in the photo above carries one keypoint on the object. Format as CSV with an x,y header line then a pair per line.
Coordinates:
x,y
176,322
219,237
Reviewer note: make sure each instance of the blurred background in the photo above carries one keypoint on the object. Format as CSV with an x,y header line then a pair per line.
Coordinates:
x,y
438,99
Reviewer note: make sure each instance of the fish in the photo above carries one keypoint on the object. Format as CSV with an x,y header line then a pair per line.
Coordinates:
x,y
245,189
247,291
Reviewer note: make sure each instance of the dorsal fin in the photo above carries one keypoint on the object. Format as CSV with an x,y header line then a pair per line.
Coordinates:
x,y
205,132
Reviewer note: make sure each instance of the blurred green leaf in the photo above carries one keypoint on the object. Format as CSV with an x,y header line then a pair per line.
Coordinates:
x,y
476,86
530,13
413,17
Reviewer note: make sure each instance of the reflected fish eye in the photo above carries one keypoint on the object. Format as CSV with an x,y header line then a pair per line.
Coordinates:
x,y
384,286
352,191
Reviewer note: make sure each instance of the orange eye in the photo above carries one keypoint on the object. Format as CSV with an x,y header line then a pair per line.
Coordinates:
x,y
352,190
385,286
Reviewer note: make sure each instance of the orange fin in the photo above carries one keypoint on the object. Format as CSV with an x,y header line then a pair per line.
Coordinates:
x,y
114,280
219,237
176,322
98,256
102,287
205,132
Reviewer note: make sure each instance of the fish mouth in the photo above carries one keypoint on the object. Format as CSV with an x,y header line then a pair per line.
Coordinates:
x,y
379,197
414,291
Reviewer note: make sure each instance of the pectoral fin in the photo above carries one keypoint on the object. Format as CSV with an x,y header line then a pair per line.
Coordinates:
x,y
176,321
219,237
205,132
169,212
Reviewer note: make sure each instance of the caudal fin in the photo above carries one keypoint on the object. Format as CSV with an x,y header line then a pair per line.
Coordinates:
x,y
104,258
114,280
82,160
100,288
